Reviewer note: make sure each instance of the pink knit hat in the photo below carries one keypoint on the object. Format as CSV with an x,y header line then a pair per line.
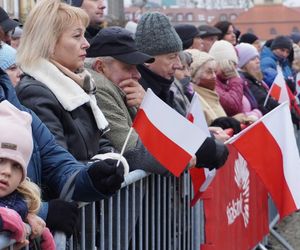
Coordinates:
x,y
15,137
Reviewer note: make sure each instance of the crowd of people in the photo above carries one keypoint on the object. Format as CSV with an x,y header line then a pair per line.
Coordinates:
x,y
70,90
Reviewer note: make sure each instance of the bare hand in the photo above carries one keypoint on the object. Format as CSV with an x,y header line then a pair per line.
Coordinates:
x,y
134,92
219,133
20,245
37,225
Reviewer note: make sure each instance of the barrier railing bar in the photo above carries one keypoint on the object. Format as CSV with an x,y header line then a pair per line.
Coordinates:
x,y
164,220
179,218
110,224
141,214
133,217
102,232
118,230
82,228
169,205
175,211
147,214
158,209
126,216
153,194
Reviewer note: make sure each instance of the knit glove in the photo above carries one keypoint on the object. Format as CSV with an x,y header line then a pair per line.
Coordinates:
x,y
11,221
212,154
62,216
227,122
106,176
47,241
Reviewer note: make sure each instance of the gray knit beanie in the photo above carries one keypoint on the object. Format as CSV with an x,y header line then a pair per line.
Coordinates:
x,y
156,36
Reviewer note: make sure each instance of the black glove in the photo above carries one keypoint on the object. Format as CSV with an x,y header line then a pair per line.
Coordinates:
x,y
106,176
227,122
212,154
62,216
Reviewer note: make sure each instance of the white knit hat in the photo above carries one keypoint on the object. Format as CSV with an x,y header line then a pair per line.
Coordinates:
x,y
16,137
199,59
223,50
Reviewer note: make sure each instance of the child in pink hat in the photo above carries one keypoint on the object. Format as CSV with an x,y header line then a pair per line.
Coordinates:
x,y
19,197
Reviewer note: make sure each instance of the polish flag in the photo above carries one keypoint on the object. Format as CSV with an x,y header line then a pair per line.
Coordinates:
x,y
269,146
278,90
168,136
201,177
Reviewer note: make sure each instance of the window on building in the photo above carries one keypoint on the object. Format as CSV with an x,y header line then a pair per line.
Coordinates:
x,y
201,17
179,17
273,31
189,17
250,30
170,16
233,17
295,29
223,17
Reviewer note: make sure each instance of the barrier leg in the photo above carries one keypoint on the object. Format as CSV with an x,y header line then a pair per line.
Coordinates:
x,y
277,236
281,240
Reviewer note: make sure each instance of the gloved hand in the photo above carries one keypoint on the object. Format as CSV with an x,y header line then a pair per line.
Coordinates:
x,y
114,156
106,176
47,241
227,122
12,222
62,216
212,154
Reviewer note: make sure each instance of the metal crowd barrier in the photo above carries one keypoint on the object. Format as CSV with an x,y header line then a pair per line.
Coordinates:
x,y
149,212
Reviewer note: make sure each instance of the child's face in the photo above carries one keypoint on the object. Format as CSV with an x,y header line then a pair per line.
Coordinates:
x,y
10,176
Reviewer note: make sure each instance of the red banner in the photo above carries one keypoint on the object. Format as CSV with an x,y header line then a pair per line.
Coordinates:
x,y
235,207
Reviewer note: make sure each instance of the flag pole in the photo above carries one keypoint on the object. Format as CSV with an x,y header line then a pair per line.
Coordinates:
x,y
268,95
124,145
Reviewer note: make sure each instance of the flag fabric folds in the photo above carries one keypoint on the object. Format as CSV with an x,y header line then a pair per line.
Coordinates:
x,y
278,90
269,146
168,136
201,177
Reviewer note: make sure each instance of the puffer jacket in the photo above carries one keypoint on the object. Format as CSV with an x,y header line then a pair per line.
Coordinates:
x,y
75,130
268,64
50,165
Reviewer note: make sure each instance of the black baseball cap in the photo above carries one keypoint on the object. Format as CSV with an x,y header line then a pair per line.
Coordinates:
x,y
207,31
118,43
7,23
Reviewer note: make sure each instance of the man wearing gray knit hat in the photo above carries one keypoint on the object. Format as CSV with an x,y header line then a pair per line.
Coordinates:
x,y
157,37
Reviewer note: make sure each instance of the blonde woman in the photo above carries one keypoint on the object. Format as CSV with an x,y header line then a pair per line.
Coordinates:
x,y
55,85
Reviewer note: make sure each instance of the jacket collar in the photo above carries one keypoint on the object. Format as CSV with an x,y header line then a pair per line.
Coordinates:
x,y
68,93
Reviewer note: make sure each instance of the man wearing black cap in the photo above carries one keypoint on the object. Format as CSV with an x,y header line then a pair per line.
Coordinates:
x,y
112,60
209,35
189,35
6,24
95,11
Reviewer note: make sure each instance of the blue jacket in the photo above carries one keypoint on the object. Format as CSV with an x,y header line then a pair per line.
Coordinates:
x,y
50,165
268,64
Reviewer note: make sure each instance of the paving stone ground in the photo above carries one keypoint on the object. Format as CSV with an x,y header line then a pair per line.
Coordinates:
x,y
289,228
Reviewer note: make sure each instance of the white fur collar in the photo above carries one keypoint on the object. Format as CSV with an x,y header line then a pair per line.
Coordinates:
x,y
69,93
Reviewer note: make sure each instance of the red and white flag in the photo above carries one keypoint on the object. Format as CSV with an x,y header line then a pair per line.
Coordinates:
x,y
167,135
201,177
278,90
269,146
